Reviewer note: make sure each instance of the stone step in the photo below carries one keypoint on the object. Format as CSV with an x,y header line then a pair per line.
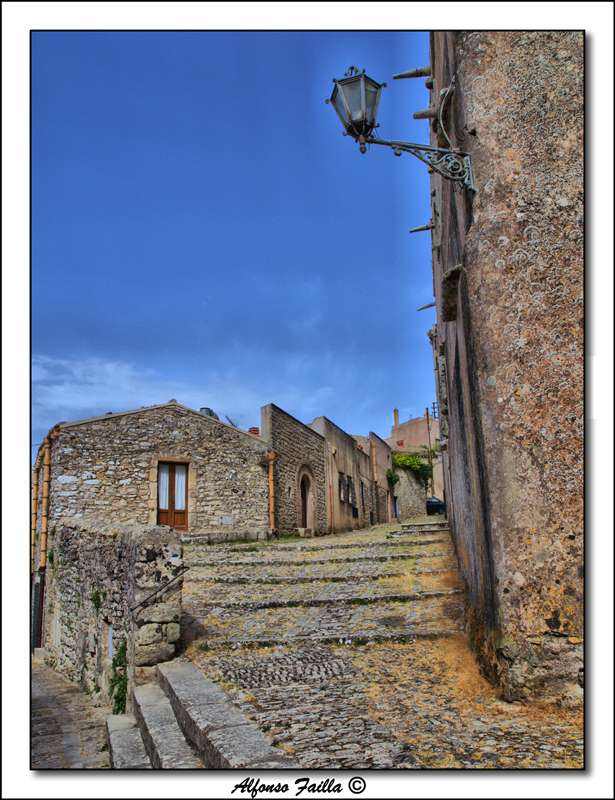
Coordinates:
x,y
270,595
223,550
421,526
394,551
390,620
164,742
330,571
223,736
326,572
126,748
255,605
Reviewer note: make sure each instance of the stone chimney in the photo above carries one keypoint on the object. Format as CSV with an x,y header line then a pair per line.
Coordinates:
x,y
396,417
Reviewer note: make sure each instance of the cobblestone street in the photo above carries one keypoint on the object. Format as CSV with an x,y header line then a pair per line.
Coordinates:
x,y
349,652
68,731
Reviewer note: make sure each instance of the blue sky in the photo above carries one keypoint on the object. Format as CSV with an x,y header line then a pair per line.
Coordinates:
x,y
201,230
89,356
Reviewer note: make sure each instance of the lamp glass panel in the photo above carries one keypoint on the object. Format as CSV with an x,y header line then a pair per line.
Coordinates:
x,y
338,102
352,92
371,96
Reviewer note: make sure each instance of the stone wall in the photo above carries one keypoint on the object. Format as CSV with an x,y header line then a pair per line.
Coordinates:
x,y
97,572
107,467
508,280
410,493
298,451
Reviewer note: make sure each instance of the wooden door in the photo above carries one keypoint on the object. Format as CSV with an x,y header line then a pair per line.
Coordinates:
x,y
173,495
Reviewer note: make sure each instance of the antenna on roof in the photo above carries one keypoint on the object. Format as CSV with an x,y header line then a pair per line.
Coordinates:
x,y
233,422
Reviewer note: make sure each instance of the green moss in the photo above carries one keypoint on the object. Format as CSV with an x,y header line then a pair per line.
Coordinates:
x,y
118,685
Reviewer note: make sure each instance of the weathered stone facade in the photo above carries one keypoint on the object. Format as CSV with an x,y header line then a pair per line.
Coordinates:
x,y
97,572
508,283
299,462
409,493
348,478
107,467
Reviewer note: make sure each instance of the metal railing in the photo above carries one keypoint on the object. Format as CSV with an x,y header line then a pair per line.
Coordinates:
x,y
160,589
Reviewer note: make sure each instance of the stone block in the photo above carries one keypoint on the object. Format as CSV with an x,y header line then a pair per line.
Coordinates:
x,y
158,612
144,675
148,655
218,537
150,634
173,632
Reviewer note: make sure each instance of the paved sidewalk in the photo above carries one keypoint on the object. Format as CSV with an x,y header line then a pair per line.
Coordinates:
x,y
67,730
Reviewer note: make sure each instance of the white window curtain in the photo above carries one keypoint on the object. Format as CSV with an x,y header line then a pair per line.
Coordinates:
x,y
180,487
163,486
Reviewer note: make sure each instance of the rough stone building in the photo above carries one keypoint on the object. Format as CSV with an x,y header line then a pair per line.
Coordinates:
x,y
349,478
412,437
171,466
324,480
508,284
408,494
299,487
165,464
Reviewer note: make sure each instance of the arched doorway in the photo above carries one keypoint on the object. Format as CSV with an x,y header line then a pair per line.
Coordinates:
x,y
305,500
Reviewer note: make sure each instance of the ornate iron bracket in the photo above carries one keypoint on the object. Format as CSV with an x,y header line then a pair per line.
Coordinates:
x,y
450,164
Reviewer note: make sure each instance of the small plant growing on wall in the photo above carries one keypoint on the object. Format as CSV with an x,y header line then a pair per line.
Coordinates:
x,y
118,685
393,477
263,462
96,599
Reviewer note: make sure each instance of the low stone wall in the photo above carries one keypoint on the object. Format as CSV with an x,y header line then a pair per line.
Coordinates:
x,y
222,537
97,573
410,494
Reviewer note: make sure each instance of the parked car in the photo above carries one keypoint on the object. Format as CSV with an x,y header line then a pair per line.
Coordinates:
x,y
434,506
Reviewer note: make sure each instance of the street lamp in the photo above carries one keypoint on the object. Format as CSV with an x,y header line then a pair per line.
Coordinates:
x,y
355,99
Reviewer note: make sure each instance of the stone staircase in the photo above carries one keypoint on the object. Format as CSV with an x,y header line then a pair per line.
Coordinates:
x,y
361,587
185,721
369,587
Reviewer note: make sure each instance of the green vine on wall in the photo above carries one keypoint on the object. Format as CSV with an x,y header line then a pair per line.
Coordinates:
x,y
393,477
422,469
118,685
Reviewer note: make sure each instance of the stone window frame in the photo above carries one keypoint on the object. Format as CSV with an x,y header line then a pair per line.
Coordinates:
x,y
153,489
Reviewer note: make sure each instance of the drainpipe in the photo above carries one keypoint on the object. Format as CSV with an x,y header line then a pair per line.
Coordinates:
x,y
45,518
331,490
271,497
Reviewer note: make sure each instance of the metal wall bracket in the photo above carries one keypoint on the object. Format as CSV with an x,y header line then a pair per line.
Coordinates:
x,y
450,164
